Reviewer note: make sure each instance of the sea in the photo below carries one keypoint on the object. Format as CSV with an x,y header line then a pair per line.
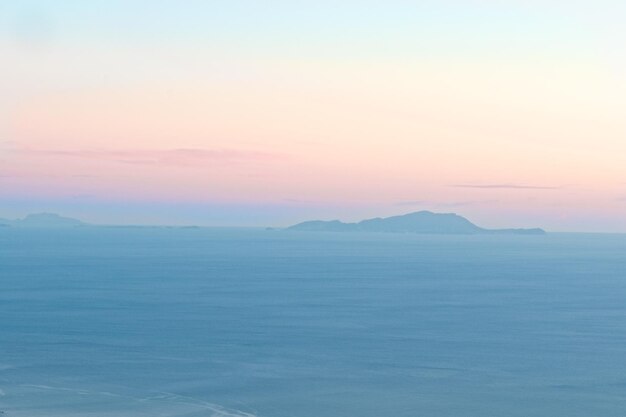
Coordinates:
x,y
209,322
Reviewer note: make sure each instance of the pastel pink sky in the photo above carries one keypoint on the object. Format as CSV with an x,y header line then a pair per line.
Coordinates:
x,y
505,114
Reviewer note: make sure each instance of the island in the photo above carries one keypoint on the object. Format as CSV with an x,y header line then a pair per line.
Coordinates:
x,y
55,221
425,222
41,220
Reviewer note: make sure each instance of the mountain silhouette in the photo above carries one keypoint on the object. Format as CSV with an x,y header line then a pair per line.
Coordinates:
x,y
418,222
43,220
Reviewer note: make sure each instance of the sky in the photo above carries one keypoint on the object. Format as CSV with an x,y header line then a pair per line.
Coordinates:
x,y
266,113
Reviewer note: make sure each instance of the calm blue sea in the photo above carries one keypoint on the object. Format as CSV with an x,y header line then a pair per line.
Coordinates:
x,y
152,322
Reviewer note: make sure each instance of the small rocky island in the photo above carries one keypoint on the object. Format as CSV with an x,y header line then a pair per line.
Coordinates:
x,y
425,222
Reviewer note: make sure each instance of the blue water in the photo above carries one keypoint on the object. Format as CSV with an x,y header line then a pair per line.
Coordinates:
x,y
209,322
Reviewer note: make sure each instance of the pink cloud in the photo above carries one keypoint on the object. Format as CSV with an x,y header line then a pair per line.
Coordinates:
x,y
168,157
507,186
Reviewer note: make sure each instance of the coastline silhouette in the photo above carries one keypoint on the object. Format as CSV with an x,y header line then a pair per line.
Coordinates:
x,y
417,222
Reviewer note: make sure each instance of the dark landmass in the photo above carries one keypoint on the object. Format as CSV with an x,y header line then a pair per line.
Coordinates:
x,y
144,226
419,222
52,221
43,220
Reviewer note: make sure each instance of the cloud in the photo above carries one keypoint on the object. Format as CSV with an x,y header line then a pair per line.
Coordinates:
x,y
411,203
451,204
296,201
444,204
44,175
506,186
169,157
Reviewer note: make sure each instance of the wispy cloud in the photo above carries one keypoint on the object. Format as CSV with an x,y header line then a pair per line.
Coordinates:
x,y
443,204
169,157
411,203
7,144
296,201
506,186
44,175
452,204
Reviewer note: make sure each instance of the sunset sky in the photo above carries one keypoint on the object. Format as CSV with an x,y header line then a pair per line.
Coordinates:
x,y
511,113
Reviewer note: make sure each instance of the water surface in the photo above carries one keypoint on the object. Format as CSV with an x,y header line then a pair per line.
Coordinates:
x,y
210,322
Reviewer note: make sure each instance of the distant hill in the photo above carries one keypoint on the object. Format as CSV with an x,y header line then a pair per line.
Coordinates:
x,y
43,220
418,222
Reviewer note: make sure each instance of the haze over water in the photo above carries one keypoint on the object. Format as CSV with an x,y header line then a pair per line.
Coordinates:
x,y
219,322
